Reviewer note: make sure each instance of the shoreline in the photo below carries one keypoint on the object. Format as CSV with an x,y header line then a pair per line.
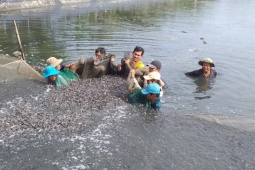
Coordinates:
x,y
18,4
28,4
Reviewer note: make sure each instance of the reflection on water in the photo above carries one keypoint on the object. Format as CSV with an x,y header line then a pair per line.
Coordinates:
x,y
204,84
169,31
131,138
71,34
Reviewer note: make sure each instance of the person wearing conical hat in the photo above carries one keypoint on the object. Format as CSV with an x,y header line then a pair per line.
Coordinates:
x,y
206,71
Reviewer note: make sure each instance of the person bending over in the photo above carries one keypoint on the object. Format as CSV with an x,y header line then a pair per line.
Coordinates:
x,y
148,96
53,76
64,69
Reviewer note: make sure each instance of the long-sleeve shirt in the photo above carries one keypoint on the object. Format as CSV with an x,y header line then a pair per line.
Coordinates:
x,y
200,73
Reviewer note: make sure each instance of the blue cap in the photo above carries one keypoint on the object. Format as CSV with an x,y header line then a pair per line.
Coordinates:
x,y
50,71
153,88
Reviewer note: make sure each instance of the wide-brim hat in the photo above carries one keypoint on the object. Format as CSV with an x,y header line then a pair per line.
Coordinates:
x,y
206,60
152,88
50,71
52,61
152,75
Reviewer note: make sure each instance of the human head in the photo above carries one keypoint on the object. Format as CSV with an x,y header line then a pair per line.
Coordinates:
x,y
206,60
155,65
100,52
152,77
137,53
206,64
152,92
52,61
50,72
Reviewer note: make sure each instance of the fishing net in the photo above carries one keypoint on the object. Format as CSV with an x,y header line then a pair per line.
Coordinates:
x,y
13,68
90,67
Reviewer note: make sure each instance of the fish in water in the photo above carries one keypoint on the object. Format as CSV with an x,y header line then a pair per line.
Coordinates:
x,y
69,109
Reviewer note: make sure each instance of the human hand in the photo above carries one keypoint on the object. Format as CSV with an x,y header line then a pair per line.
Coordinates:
x,y
112,58
132,73
119,67
68,65
127,61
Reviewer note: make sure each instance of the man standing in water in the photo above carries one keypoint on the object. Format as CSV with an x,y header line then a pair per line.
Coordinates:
x,y
133,65
206,71
155,66
148,96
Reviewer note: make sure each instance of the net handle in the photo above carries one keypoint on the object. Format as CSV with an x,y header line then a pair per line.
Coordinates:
x,y
20,46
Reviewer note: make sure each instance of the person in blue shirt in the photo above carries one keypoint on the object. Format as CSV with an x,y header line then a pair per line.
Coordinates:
x,y
148,96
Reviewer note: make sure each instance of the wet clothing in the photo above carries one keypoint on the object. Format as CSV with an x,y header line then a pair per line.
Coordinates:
x,y
138,98
60,81
62,67
165,86
68,75
139,65
64,77
200,73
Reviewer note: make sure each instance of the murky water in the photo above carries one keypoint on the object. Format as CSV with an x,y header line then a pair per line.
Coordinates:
x,y
179,34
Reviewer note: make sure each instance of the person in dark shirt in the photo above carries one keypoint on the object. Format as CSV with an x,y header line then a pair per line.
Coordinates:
x,y
206,71
155,66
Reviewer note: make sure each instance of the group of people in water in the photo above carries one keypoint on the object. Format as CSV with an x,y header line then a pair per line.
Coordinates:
x,y
144,83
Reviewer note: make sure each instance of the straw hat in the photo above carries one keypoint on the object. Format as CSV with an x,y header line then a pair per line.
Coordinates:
x,y
152,75
53,61
206,60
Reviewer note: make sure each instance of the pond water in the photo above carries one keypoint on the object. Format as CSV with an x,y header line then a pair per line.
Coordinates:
x,y
179,34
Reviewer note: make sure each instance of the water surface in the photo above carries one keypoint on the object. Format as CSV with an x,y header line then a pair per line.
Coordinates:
x,y
179,34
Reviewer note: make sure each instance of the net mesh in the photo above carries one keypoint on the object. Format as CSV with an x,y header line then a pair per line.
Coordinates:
x,y
13,68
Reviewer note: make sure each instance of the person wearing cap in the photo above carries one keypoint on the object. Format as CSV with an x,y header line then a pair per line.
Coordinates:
x,y
206,71
53,76
154,77
64,72
148,96
155,66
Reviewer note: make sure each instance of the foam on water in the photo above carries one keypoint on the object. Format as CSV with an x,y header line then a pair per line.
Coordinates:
x,y
95,142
